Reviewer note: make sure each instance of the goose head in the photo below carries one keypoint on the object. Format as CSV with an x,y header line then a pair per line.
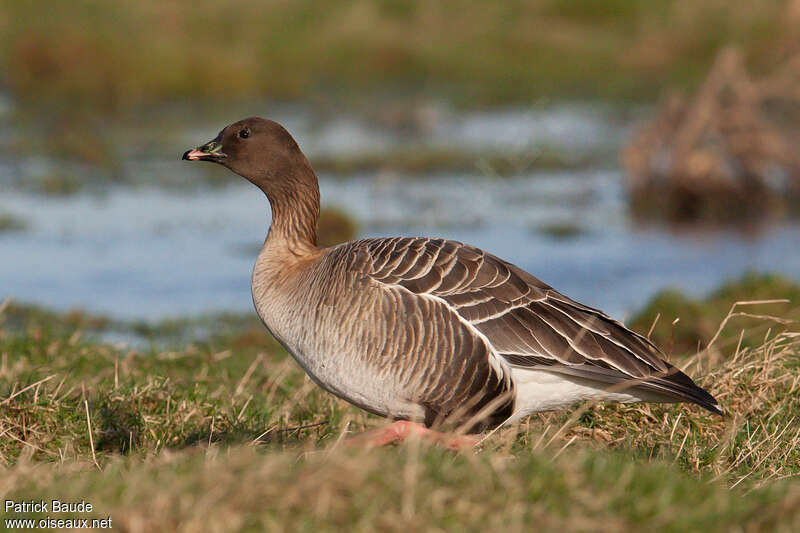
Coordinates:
x,y
258,149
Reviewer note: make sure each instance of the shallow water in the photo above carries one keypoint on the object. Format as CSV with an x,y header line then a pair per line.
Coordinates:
x,y
153,254
150,253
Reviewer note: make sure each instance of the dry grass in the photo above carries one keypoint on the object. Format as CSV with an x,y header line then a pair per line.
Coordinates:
x,y
229,435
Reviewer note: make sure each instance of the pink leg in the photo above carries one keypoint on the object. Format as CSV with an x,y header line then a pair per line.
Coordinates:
x,y
402,429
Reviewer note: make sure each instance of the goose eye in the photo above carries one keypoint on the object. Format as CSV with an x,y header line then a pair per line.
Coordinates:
x,y
245,133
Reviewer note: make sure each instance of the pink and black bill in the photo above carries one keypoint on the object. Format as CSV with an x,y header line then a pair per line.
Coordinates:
x,y
211,151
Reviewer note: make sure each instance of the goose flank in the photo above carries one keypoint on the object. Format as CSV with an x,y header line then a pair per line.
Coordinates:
x,y
427,330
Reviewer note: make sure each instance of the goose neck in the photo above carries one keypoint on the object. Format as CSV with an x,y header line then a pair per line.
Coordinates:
x,y
295,214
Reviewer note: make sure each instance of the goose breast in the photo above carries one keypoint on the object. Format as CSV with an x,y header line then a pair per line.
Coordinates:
x,y
380,346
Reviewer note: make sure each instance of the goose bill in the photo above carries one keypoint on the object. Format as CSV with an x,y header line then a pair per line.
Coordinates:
x,y
211,151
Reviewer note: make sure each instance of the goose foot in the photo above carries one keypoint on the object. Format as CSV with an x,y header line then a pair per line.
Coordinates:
x,y
401,430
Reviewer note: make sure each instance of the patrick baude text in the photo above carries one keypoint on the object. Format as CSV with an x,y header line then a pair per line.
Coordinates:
x,y
44,506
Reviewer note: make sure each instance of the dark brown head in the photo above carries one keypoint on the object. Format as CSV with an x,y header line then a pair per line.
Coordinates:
x,y
263,152
259,150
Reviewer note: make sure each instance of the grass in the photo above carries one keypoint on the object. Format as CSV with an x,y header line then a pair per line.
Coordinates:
x,y
228,434
10,223
682,325
335,226
562,230
421,160
108,56
408,489
58,184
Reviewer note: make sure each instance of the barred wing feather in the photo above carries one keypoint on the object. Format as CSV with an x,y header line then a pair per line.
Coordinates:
x,y
527,322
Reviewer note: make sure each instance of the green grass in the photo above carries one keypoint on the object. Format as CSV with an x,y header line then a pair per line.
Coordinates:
x,y
10,223
109,56
407,489
563,230
682,325
421,160
227,433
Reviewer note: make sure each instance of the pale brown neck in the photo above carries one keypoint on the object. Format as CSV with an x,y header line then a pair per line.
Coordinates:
x,y
295,213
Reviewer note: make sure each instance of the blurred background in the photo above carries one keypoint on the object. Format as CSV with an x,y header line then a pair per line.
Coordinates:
x,y
614,149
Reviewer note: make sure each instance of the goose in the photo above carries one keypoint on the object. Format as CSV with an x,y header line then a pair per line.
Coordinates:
x,y
425,331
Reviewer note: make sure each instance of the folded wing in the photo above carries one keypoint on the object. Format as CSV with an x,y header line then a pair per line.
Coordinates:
x,y
527,322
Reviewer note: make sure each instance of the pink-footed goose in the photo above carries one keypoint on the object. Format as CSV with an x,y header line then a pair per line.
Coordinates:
x,y
427,330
